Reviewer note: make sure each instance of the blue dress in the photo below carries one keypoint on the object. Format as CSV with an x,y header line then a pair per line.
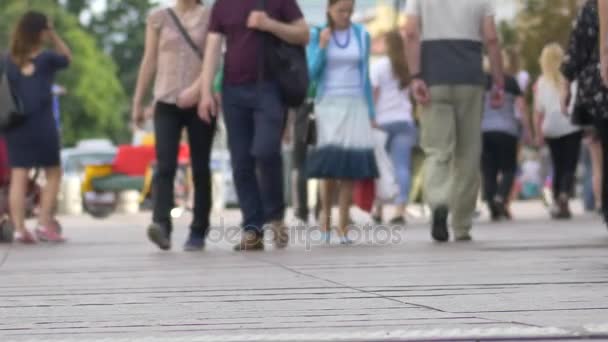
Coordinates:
x,y
35,143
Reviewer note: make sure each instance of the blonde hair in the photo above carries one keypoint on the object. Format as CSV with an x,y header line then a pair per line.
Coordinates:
x,y
550,62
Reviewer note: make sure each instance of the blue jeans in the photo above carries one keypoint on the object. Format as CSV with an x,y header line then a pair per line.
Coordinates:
x,y
255,119
402,137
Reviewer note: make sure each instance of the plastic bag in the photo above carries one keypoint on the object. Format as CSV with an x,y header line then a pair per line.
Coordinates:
x,y
387,188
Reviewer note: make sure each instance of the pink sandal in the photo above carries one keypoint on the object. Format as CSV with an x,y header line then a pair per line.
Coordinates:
x,y
25,237
49,234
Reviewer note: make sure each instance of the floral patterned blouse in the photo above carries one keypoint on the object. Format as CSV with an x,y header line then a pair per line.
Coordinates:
x,y
582,62
178,65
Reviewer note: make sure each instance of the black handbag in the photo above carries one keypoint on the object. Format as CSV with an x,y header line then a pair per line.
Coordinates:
x,y
579,115
286,63
306,121
11,108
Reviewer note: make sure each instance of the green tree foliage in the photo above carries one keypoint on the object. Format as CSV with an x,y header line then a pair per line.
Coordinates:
x,y
96,98
508,34
540,22
120,30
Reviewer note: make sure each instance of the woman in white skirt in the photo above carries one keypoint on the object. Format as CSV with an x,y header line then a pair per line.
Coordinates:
x,y
338,57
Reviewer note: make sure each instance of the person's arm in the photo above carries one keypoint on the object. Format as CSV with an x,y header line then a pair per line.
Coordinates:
x,y
368,89
295,32
147,70
316,52
60,46
539,115
603,47
376,94
492,43
208,106
413,44
522,107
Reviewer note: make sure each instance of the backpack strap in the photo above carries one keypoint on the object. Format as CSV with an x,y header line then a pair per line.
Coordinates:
x,y
261,6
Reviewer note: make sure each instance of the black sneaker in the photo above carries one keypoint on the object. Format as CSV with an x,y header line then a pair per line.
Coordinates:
x,y
440,224
561,210
302,216
398,221
494,211
195,242
159,235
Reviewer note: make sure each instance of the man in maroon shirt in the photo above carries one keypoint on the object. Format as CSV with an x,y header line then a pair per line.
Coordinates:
x,y
253,112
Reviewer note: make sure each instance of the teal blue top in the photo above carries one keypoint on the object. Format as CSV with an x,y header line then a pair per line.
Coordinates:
x,y
317,58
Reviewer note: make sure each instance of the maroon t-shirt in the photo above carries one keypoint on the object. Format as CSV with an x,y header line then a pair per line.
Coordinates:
x,y
229,18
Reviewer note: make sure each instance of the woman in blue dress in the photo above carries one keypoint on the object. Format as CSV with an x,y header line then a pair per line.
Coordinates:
x,y
35,144
338,57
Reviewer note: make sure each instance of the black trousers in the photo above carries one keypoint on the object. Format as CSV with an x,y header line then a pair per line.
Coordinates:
x,y
300,151
498,160
601,125
169,123
565,153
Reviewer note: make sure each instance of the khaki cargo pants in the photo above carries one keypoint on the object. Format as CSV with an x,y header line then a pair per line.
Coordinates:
x,y
451,140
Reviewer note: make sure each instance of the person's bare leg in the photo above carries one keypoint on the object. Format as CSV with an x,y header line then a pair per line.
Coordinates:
x,y
328,187
400,210
48,199
596,161
344,201
378,212
18,188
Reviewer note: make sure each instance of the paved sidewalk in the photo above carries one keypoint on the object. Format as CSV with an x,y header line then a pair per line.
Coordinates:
x,y
531,278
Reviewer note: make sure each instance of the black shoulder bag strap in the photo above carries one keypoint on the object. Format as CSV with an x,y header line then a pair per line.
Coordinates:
x,y
185,34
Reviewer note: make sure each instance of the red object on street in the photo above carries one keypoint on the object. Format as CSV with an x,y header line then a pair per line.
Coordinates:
x,y
133,160
364,194
183,156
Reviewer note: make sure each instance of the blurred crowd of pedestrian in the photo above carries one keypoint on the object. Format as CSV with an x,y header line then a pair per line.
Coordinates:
x,y
485,127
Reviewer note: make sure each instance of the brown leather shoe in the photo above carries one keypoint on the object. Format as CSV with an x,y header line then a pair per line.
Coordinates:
x,y
281,234
250,241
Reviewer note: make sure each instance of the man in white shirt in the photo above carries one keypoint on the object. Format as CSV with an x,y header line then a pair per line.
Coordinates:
x,y
445,45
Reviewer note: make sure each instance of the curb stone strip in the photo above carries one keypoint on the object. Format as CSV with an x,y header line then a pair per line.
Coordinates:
x,y
588,331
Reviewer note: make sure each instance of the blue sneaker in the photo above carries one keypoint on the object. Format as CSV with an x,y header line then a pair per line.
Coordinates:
x,y
195,243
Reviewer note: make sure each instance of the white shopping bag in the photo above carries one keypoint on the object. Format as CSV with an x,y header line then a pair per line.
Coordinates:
x,y
387,187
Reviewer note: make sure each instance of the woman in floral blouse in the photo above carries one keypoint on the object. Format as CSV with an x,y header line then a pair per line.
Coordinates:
x,y
174,64
582,64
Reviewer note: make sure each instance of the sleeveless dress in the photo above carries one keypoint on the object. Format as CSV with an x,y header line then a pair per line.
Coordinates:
x,y
36,143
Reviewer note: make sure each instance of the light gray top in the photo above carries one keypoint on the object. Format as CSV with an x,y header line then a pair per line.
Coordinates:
x,y
451,39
